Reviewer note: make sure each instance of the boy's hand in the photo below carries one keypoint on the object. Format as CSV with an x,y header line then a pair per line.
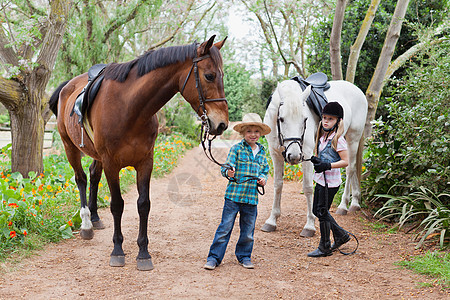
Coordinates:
x,y
261,181
231,172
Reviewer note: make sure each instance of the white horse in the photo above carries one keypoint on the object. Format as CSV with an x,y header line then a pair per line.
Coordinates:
x,y
294,127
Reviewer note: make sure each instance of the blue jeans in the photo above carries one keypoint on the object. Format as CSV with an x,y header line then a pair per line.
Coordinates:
x,y
247,220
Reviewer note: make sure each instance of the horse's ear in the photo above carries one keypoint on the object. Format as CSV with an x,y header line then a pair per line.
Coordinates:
x,y
219,45
204,47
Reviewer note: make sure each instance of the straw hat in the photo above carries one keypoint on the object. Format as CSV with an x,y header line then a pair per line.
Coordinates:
x,y
252,119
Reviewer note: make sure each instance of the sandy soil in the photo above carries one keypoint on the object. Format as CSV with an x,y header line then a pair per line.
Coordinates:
x,y
185,212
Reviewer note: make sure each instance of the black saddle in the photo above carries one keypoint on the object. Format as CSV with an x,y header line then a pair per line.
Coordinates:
x,y
86,97
319,83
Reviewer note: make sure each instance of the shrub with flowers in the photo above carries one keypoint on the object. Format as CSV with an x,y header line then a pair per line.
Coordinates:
x,y
46,206
292,173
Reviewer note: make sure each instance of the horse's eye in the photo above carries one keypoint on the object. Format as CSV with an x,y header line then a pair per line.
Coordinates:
x,y
209,77
281,119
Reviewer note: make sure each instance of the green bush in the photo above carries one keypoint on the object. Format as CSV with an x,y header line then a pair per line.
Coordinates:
x,y
409,146
407,161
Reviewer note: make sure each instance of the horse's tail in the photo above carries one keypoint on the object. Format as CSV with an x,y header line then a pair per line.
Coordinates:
x,y
359,159
53,102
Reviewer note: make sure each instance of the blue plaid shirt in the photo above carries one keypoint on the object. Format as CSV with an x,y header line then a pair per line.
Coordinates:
x,y
242,160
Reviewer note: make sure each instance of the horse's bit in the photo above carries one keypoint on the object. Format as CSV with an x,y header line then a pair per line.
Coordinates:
x,y
293,140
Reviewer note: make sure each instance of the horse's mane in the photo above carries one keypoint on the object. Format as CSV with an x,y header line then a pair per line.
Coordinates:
x,y
155,59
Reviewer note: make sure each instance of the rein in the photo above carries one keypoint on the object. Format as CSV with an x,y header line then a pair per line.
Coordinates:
x,y
293,140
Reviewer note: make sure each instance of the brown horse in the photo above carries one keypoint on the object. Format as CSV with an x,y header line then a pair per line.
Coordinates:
x,y
124,126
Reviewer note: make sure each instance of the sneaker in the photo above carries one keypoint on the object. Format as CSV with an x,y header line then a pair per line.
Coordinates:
x,y
210,265
247,264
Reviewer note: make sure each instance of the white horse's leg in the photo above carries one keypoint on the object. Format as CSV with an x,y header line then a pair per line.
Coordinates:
x,y
278,172
309,229
351,183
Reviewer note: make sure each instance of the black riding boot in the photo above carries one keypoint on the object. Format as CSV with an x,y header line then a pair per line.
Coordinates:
x,y
340,236
324,248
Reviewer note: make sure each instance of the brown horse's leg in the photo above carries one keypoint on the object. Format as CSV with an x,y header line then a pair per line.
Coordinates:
x,y
144,260
74,158
112,176
95,169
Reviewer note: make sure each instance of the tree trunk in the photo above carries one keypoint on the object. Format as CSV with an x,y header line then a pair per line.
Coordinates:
x,y
335,41
356,47
27,131
376,84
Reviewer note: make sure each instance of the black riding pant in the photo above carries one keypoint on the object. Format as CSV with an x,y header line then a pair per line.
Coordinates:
x,y
321,209
322,202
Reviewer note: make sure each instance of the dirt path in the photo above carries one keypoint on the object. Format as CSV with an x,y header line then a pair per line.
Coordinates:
x,y
182,226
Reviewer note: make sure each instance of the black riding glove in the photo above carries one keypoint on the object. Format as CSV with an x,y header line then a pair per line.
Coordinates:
x,y
322,167
315,160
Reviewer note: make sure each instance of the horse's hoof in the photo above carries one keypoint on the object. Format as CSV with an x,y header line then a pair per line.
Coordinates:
x,y
98,225
307,233
117,261
354,208
268,228
144,264
87,234
341,211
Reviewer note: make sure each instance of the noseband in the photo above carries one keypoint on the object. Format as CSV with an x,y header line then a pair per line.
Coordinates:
x,y
204,135
292,140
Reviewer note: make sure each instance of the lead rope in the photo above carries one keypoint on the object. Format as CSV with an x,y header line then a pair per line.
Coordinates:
x,y
205,137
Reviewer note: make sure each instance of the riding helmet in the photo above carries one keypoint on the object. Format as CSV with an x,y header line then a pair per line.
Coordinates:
x,y
333,109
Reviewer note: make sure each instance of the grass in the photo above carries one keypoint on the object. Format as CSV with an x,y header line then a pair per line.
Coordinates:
x,y
433,264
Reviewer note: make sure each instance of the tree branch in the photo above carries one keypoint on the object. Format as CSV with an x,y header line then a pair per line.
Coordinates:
x,y
177,29
356,47
335,40
7,54
10,93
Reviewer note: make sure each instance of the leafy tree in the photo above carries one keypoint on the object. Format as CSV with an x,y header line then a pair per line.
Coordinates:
x,y
285,26
30,37
427,12
239,89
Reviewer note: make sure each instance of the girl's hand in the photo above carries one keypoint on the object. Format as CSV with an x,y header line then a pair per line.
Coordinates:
x,y
231,172
261,181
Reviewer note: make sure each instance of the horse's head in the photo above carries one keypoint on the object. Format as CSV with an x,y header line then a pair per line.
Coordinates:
x,y
205,90
291,119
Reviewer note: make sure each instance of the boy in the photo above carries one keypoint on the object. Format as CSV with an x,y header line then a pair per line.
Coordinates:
x,y
247,158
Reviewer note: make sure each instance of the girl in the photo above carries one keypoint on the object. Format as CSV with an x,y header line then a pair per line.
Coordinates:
x,y
331,151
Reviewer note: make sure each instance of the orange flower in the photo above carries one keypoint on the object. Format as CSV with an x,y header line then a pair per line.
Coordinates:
x,y
25,233
12,234
13,205
40,188
10,223
70,223
40,201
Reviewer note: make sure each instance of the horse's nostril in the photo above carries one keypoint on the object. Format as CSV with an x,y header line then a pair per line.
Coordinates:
x,y
221,128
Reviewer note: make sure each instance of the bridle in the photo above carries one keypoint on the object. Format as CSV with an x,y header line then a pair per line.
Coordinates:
x,y
204,135
201,98
292,140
